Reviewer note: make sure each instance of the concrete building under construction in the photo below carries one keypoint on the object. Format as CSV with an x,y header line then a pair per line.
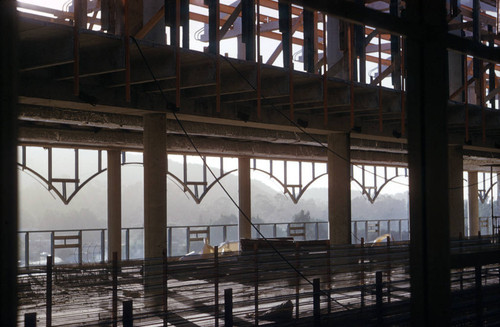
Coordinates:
x,y
407,88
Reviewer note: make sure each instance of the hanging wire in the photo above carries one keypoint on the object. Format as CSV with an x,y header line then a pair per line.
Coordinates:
x,y
300,128
170,106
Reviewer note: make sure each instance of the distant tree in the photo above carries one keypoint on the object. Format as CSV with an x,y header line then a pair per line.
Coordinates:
x,y
302,216
225,220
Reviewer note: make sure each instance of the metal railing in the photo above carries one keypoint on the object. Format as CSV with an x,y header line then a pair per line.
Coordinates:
x,y
92,244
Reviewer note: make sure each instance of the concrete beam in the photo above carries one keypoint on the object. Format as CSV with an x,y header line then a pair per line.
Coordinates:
x,y
132,141
54,51
107,59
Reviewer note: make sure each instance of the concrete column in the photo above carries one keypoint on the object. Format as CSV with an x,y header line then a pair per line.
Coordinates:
x,y
155,185
114,204
473,204
8,150
455,191
244,186
339,188
427,99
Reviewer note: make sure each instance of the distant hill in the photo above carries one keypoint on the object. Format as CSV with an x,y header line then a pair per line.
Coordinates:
x,y
40,210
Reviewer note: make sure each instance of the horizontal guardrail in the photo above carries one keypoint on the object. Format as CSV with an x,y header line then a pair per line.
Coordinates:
x,y
92,244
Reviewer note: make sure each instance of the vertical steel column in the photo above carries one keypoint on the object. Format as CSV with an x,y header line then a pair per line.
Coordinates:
x,y
403,87
177,55
466,98
126,43
114,304
80,250
76,46
360,48
329,274
245,204
492,201
103,247
380,119
325,76
27,249
248,28
216,285
316,302
184,13
259,65
128,314
30,319
256,282
114,203
228,307
427,98
297,280
395,48
308,48
165,289
351,58
217,57
492,74
48,292
362,262
379,297
169,241
478,64
479,295
127,243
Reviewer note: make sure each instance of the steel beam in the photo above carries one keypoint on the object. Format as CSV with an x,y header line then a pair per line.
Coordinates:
x,y
360,14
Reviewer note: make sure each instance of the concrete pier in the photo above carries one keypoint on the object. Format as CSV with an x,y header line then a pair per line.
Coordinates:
x,y
339,188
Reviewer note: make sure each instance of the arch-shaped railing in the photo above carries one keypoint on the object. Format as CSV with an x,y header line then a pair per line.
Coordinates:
x,y
294,191
195,194
52,182
373,191
64,194
198,189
